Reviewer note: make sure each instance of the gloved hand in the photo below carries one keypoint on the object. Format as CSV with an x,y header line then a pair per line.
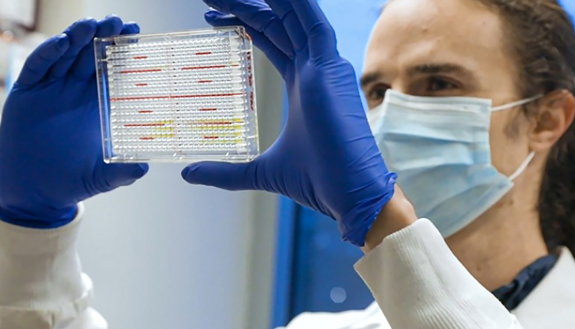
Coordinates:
x,y
326,158
50,142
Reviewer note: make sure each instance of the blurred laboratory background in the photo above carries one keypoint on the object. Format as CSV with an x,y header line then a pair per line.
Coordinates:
x,y
164,254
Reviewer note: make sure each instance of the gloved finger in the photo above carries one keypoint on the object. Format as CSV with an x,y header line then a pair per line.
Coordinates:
x,y
259,16
84,67
320,34
130,28
286,13
276,56
119,174
42,59
80,34
227,176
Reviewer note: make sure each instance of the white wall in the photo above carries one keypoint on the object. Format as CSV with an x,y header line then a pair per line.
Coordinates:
x,y
162,253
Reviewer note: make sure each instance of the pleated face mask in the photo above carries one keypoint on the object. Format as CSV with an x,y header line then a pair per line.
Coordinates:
x,y
439,147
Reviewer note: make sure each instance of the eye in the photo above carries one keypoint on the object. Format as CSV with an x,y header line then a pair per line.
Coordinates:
x,y
440,84
377,93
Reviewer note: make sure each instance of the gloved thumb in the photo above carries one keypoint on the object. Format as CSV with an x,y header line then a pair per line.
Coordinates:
x,y
227,176
120,174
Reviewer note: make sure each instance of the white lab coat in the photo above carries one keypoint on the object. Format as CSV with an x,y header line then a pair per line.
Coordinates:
x,y
416,280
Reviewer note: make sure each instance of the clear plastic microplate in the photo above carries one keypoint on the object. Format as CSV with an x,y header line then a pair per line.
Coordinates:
x,y
178,97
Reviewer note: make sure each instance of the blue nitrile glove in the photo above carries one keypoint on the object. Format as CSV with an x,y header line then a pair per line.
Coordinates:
x,y
50,140
326,157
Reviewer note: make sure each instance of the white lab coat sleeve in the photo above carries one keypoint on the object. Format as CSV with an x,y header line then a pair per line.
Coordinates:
x,y
419,283
41,282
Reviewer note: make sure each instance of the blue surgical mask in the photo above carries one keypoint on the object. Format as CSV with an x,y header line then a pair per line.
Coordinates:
x,y
439,147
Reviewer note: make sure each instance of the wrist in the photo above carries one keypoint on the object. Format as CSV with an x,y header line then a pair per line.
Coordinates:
x,y
396,215
48,218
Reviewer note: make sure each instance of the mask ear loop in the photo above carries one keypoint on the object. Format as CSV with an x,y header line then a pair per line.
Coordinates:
x,y
523,166
527,161
518,103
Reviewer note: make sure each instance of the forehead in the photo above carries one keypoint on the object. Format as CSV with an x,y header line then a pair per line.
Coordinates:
x,y
416,32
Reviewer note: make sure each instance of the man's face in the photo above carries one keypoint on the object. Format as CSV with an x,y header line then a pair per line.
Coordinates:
x,y
447,48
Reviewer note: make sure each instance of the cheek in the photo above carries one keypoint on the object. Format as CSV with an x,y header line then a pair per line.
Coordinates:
x,y
507,151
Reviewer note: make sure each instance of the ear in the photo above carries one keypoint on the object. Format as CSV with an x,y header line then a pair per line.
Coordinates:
x,y
556,113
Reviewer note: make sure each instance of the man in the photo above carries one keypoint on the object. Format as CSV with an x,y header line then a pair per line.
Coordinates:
x,y
326,158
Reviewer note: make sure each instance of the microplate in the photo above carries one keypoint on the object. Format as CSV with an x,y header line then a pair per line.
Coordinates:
x,y
178,97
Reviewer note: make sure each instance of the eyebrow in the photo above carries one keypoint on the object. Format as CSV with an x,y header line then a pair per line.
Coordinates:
x,y
369,78
429,69
425,69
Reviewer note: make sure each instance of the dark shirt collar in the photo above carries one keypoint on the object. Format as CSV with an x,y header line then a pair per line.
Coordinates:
x,y
512,294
